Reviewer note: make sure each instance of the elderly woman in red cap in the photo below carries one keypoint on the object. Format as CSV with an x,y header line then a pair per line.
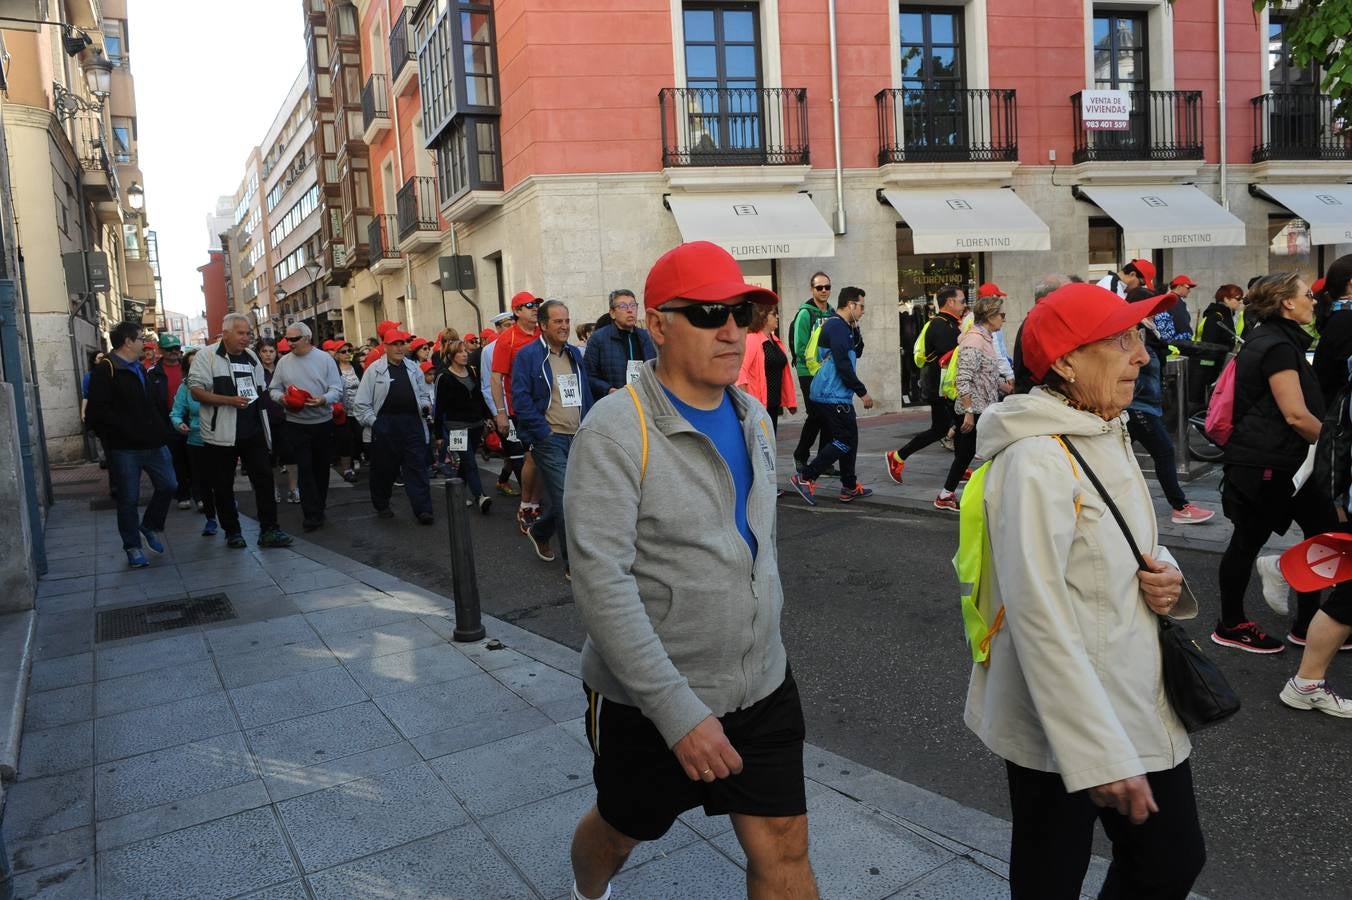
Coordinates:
x,y
1071,695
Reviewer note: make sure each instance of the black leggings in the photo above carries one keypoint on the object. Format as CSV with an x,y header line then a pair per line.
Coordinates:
x,y
1054,837
941,419
964,451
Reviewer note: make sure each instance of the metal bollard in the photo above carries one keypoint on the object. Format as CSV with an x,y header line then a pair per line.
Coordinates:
x,y
468,619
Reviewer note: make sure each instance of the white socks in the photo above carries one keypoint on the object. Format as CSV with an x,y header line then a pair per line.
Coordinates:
x,y
1306,683
578,895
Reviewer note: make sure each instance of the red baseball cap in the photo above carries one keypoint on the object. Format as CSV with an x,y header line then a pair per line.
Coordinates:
x,y
372,356
1182,280
385,326
330,345
283,346
1146,269
1318,286
700,271
1317,563
425,366
417,342
395,336
522,298
1077,314
990,289
488,336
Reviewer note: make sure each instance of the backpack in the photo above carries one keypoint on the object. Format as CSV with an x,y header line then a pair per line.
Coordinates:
x,y
1220,411
812,353
972,562
948,375
918,355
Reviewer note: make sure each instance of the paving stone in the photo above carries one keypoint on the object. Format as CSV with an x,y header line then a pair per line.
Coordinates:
x,y
437,707
361,817
314,581
82,600
57,749
164,776
397,672
518,770
156,687
145,656
357,617
72,880
218,859
490,660
694,871
539,684
180,722
330,735
409,634
260,635
59,707
62,644
295,696
52,587
297,782
49,805
239,670
328,598
291,890
65,671
71,620
479,732
458,863
534,836
52,849
958,880
179,814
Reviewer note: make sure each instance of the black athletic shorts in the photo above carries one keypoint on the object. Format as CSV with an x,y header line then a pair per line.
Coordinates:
x,y
641,787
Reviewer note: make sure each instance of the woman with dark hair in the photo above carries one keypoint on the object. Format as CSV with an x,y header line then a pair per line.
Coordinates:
x,y
1218,326
268,351
765,371
459,418
1335,335
347,436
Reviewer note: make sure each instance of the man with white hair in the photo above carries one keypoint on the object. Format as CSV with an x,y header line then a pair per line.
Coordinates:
x,y
227,378
309,416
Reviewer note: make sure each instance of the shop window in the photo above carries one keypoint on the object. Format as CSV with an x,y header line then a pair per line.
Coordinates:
x,y
921,275
1290,248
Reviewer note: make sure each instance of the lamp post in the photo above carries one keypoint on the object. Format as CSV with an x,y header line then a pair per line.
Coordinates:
x,y
136,196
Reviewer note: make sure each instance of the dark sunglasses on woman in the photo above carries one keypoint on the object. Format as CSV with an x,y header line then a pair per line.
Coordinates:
x,y
713,315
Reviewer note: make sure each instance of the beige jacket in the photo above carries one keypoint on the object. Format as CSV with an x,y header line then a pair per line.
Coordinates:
x,y
1074,684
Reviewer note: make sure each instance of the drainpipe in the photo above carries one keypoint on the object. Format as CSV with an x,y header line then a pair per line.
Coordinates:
x,y
835,119
1220,94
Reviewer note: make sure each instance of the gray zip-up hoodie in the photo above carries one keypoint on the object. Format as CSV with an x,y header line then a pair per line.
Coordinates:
x,y
681,621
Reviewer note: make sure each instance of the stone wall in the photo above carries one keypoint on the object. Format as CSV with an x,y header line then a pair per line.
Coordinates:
x,y
18,580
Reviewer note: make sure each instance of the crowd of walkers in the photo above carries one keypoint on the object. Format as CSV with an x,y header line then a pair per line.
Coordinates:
x,y
645,458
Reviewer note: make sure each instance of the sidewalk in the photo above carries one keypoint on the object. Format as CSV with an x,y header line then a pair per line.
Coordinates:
x,y
330,740
926,470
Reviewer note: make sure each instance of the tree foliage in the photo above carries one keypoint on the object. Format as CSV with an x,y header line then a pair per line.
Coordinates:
x,y
1320,31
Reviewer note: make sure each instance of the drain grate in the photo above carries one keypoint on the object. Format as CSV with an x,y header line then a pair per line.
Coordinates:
x,y
149,618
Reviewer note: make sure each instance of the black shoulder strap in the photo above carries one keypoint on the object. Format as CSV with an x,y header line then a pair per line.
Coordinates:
x,y
1108,500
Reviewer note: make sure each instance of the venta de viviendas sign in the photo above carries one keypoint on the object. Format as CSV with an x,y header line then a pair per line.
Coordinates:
x,y
1105,110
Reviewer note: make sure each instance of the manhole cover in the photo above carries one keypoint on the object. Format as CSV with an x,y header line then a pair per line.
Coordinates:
x,y
134,621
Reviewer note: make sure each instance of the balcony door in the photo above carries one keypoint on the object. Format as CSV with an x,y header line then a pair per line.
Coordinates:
x,y
1121,64
1294,120
933,82
723,79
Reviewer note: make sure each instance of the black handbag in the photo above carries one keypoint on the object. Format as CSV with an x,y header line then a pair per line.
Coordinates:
x,y
1197,689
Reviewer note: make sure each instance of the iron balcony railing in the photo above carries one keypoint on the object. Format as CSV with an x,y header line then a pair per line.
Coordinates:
x,y
734,126
947,125
417,205
402,50
380,234
1299,125
375,101
1162,125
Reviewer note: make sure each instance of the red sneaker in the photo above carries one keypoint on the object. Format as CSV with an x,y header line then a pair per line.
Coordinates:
x,y
895,465
949,503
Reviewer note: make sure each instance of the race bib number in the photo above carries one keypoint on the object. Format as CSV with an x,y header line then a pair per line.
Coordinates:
x,y
244,381
458,440
631,371
570,391
511,431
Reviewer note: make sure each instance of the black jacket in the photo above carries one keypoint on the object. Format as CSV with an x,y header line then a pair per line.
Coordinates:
x,y
1330,357
1217,326
941,338
157,383
456,404
1261,436
126,413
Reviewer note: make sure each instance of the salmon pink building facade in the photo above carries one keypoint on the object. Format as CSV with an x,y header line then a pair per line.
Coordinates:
x,y
560,148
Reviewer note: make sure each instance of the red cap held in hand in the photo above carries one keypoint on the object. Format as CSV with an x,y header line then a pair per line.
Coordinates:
x,y
339,414
1322,561
294,398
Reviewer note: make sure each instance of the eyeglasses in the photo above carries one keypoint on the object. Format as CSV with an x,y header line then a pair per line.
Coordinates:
x,y
294,340
627,307
534,304
1309,295
713,315
1125,341
344,349
821,287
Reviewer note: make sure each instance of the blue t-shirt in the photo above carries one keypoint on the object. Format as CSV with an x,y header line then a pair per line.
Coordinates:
x,y
722,426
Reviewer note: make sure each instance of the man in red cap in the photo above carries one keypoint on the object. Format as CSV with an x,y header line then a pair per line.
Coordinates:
x,y
526,309
1137,273
1175,323
392,402
670,501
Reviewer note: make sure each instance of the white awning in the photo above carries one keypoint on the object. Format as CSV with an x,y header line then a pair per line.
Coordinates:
x,y
968,220
1327,208
1166,216
755,225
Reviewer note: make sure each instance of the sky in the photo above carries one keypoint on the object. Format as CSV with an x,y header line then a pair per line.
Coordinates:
x,y
210,77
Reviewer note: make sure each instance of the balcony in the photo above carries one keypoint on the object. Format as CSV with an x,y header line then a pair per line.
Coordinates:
x,y
938,125
403,53
734,127
1298,126
381,234
1162,126
417,205
97,174
375,109
140,281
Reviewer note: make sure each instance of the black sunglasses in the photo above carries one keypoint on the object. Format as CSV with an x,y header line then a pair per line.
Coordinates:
x,y
713,315
531,305
821,287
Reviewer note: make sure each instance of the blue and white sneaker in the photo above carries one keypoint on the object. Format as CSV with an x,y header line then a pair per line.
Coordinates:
x,y
152,539
209,529
807,489
136,559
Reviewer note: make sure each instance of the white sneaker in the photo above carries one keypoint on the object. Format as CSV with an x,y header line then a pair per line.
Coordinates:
x,y
1318,697
185,504
1276,592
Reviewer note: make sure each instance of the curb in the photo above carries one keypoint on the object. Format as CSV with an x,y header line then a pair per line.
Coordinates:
x,y
16,646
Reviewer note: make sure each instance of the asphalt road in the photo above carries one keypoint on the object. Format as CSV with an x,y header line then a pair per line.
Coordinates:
x,y
872,626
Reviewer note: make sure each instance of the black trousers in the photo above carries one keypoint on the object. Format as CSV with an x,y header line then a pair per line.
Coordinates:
x,y
312,447
399,446
201,480
941,419
1054,838
844,446
187,487
257,461
964,451
815,426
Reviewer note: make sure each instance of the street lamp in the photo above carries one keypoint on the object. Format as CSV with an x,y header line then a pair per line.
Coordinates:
x,y
98,74
313,269
136,196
